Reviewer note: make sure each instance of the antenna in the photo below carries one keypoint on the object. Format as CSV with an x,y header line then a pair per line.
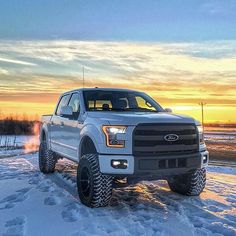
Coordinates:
x,y
83,76
202,107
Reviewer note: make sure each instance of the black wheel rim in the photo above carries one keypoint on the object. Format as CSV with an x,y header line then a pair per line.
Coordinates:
x,y
85,181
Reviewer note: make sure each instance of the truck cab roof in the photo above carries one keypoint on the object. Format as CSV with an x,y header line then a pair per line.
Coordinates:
x,y
101,89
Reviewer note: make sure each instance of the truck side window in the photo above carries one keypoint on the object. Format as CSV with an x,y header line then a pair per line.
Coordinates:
x,y
142,103
75,104
63,102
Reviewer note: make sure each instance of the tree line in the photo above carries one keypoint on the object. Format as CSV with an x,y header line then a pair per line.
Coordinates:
x,y
10,126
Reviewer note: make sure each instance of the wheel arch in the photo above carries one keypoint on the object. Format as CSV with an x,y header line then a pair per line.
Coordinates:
x,y
44,134
87,146
92,134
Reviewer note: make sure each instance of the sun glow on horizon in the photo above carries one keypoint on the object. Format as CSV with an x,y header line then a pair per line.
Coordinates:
x,y
179,76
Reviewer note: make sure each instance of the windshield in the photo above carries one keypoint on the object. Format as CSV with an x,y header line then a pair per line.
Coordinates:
x,y
100,100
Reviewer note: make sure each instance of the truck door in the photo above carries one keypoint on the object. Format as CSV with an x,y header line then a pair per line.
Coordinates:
x,y
57,125
72,127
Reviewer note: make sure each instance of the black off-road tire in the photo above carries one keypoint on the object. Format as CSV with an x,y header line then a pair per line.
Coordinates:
x,y
191,184
47,160
94,188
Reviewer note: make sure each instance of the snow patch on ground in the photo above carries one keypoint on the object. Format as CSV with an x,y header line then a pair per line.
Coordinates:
x,y
34,204
223,170
220,137
12,145
17,140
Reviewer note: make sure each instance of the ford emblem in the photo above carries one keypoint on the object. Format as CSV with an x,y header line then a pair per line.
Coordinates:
x,y
171,137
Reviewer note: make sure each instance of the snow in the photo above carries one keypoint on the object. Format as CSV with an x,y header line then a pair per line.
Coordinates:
x,y
11,145
220,137
35,204
17,140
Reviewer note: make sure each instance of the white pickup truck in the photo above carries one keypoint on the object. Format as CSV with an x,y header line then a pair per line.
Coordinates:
x,y
119,135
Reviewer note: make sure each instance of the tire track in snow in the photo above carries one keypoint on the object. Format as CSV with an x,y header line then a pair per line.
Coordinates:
x,y
56,178
202,216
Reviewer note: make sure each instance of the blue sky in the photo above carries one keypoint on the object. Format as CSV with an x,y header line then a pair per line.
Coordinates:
x,y
181,52
116,20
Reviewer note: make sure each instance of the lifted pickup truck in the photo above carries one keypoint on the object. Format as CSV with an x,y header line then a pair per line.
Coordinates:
x,y
116,135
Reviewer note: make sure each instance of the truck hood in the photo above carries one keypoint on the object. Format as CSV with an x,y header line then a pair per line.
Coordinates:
x,y
134,118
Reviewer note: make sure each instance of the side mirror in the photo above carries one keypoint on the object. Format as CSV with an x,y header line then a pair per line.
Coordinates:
x,y
66,111
169,110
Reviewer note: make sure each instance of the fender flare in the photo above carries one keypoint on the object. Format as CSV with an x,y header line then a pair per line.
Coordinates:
x,y
44,129
90,131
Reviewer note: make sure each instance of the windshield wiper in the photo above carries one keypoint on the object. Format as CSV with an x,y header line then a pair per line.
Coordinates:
x,y
125,109
133,109
141,109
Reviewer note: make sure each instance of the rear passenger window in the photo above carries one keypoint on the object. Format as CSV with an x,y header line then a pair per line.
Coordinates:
x,y
63,102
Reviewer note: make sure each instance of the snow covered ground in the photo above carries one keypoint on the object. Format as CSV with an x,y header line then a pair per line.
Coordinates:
x,y
17,140
11,145
222,137
34,204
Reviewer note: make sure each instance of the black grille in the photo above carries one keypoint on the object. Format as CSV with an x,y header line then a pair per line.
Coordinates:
x,y
154,164
148,139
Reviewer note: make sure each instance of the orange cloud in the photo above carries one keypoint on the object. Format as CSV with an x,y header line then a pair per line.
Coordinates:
x,y
176,75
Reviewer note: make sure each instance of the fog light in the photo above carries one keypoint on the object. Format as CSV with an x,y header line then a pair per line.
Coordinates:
x,y
204,159
119,164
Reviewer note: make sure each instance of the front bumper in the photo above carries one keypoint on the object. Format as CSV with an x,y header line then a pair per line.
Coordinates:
x,y
161,165
106,166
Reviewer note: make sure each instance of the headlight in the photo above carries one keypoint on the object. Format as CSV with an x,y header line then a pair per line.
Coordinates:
x,y
200,133
111,133
200,128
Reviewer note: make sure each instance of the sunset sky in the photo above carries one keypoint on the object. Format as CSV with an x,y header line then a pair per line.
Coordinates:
x,y
179,52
